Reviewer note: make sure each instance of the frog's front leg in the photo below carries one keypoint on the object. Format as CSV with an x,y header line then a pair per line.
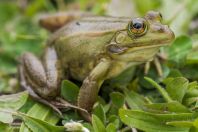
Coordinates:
x,y
91,85
44,78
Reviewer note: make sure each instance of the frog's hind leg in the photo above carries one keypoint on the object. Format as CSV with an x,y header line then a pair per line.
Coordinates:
x,y
41,81
25,86
53,22
44,78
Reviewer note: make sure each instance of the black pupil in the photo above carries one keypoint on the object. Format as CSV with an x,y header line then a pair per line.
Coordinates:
x,y
137,25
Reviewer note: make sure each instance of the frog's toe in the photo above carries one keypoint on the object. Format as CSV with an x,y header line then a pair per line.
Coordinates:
x,y
157,64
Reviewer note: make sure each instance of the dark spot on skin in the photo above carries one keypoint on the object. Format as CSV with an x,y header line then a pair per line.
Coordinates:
x,y
77,23
161,29
160,15
158,28
80,64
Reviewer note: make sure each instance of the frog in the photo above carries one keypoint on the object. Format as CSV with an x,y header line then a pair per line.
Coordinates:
x,y
92,49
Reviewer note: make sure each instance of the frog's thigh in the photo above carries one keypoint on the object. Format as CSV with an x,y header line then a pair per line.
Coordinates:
x,y
55,21
43,80
91,85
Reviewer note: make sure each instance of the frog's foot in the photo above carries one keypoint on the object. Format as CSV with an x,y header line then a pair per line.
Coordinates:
x,y
56,104
157,66
33,94
64,104
42,80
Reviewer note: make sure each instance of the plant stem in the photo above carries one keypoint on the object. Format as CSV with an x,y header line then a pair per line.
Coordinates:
x,y
160,89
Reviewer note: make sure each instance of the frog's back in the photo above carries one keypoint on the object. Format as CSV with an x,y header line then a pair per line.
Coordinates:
x,y
81,43
87,35
90,25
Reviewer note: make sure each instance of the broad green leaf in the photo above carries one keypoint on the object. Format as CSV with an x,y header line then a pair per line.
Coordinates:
x,y
111,128
69,91
181,123
167,80
151,122
6,117
193,129
5,128
107,107
113,110
193,124
190,71
40,112
99,112
134,100
191,94
177,88
115,120
11,103
117,99
173,106
190,101
192,57
175,73
37,125
178,51
98,126
193,85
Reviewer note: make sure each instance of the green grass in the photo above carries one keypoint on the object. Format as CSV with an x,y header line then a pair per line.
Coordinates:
x,y
151,103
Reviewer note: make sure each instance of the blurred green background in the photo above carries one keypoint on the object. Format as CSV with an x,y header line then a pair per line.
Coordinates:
x,y
20,32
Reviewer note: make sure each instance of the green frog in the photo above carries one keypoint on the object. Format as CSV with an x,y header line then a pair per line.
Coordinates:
x,y
92,49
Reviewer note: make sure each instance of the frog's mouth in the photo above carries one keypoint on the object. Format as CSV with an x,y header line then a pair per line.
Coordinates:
x,y
145,45
137,54
132,47
155,43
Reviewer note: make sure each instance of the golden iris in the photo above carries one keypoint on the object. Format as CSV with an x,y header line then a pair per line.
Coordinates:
x,y
137,27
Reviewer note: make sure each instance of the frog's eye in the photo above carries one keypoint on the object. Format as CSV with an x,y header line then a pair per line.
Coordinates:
x,y
137,27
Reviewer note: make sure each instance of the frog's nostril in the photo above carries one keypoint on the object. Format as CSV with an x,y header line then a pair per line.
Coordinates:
x,y
158,28
161,29
166,26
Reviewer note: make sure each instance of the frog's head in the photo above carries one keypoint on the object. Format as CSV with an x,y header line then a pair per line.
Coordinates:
x,y
141,39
